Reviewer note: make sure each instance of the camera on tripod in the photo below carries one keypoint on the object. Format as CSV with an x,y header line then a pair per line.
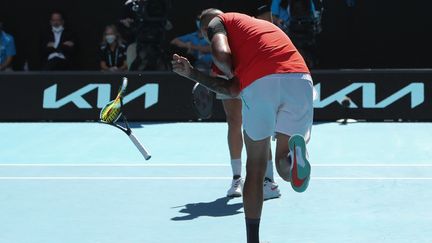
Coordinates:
x,y
150,19
150,10
150,25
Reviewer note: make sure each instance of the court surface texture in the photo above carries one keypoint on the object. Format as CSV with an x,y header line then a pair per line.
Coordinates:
x,y
87,183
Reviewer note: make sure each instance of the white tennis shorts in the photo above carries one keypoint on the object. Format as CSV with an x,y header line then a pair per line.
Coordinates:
x,y
278,103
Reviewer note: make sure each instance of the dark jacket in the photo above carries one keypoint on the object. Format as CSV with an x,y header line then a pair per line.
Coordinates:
x,y
65,50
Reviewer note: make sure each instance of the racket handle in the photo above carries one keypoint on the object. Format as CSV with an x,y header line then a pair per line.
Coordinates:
x,y
140,147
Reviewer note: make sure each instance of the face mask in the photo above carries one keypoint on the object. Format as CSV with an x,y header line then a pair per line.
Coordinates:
x,y
58,29
110,38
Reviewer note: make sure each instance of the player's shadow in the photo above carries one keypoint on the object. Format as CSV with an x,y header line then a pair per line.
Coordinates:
x,y
217,208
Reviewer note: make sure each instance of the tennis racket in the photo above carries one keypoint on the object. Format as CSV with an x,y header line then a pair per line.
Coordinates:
x,y
202,101
112,112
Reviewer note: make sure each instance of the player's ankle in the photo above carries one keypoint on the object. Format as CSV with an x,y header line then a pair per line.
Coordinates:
x,y
252,230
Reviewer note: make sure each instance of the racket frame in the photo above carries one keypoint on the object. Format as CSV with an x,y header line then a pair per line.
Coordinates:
x,y
127,130
197,111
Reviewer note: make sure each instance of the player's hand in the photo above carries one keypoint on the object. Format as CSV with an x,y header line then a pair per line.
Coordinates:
x,y
50,45
181,66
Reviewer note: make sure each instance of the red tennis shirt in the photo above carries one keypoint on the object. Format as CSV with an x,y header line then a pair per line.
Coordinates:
x,y
259,48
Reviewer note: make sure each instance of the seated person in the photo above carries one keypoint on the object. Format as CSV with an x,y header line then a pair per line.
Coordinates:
x,y
112,52
58,45
7,50
280,12
195,45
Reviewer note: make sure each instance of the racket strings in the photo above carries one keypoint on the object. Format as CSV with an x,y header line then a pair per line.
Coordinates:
x,y
111,112
202,101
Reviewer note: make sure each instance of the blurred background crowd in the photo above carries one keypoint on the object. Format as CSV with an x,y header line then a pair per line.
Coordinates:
x,y
141,35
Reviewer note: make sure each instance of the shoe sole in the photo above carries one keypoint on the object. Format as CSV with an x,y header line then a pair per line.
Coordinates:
x,y
300,176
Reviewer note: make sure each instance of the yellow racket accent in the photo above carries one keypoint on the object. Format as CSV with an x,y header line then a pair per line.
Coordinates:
x,y
112,111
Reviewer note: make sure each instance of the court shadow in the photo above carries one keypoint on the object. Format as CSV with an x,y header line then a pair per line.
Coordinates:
x,y
217,208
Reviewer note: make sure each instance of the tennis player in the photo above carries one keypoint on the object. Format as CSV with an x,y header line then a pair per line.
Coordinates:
x,y
232,107
276,89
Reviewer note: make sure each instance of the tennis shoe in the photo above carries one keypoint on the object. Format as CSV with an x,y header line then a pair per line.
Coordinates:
x,y
300,167
236,188
271,189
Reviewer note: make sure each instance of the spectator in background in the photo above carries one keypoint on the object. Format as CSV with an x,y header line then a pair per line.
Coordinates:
x,y
7,50
279,10
194,45
58,45
112,51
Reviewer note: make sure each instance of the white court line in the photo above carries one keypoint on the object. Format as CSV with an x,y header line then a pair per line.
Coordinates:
x,y
203,165
115,165
140,178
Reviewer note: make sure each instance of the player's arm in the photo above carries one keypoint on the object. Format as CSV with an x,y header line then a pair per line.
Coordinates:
x,y
221,51
220,85
182,67
221,54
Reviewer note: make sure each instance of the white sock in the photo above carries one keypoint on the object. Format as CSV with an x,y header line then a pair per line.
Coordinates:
x,y
269,171
236,166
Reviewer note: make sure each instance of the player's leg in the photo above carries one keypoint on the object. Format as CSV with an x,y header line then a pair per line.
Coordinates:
x,y
257,155
259,119
283,163
293,127
232,109
271,188
269,169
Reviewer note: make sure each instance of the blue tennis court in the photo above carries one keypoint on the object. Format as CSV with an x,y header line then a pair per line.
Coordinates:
x,y
87,183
